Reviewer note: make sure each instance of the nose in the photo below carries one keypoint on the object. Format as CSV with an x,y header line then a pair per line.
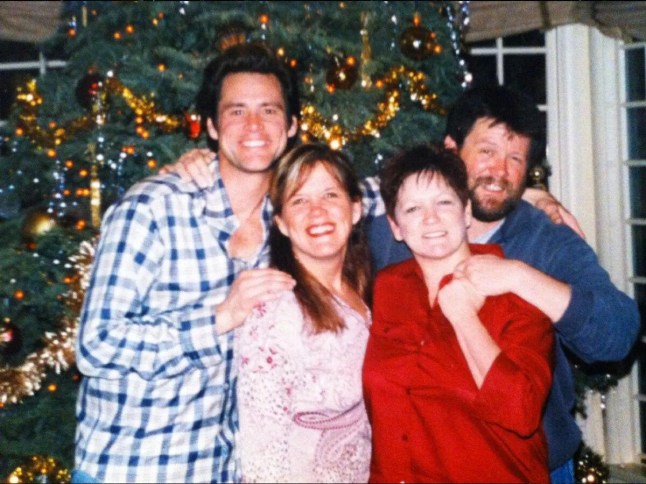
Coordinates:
x,y
253,120
317,207
498,167
430,215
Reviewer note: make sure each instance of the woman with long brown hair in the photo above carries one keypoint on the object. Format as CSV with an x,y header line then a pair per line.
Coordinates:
x,y
302,415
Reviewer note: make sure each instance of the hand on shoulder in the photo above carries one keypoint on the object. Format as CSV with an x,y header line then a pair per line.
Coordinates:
x,y
193,166
545,201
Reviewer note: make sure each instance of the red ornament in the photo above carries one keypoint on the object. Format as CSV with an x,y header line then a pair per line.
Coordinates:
x,y
90,91
193,125
10,339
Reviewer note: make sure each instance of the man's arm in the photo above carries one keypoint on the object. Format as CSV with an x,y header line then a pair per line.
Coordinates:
x,y
597,321
493,276
118,332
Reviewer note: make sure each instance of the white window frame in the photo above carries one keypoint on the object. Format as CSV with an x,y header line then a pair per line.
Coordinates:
x,y
586,133
584,82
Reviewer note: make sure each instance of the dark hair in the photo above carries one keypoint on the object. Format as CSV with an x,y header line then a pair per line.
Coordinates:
x,y
422,159
502,105
290,174
240,58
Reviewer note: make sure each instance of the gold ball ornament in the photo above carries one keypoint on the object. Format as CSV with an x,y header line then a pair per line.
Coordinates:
x,y
417,42
342,74
35,224
537,177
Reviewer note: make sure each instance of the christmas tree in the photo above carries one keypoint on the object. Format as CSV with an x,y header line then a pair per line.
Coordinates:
x,y
373,76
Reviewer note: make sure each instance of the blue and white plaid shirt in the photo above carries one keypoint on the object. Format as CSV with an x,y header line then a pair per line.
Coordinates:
x,y
158,401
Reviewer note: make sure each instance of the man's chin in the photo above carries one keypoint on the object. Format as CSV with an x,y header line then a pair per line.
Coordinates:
x,y
492,212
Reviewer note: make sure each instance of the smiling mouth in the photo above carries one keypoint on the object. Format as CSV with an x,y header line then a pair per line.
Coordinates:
x,y
435,235
491,184
318,230
254,144
492,187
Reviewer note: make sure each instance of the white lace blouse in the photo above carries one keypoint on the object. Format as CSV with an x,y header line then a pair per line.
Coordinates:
x,y
302,415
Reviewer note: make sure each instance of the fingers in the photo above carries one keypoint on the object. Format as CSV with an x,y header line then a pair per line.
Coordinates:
x,y
193,166
249,289
197,167
570,221
261,285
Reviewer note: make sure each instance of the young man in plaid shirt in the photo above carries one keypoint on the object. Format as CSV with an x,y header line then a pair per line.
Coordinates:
x,y
176,269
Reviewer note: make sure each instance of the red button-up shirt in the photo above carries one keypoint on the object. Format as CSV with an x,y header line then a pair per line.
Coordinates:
x,y
430,422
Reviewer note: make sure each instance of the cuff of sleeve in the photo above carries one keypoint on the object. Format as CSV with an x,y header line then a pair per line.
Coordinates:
x,y
199,339
575,316
499,402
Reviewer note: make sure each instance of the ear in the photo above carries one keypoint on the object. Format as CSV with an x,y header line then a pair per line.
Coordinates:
x,y
210,128
394,228
450,144
281,225
468,214
293,127
357,211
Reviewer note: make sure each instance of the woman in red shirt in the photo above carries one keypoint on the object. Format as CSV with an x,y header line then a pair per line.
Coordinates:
x,y
454,381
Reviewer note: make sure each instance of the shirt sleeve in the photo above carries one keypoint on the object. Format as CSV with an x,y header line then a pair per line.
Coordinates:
x,y
516,387
119,331
373,205
601,323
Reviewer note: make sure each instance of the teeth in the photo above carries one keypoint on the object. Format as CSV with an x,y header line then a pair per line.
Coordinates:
x,y
493,187
253,144
321,229
435,235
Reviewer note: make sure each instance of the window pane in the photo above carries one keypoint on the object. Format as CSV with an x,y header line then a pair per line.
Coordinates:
x,y
637,176
636,133
642,411
535,38
17,52
526,73
639,250
483,68
635,81
483,43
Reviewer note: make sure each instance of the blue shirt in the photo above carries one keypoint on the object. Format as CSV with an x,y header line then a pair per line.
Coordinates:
x,y
158,400
601,323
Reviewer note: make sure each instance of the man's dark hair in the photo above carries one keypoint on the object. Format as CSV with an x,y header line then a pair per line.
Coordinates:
x,y
430,159
502,105
255,58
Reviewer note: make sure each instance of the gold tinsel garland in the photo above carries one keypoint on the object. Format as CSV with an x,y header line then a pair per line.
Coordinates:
x,y
39,469
336,135
313,122
57,353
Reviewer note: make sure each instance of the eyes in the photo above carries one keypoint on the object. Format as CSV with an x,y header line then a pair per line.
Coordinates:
x,y
301,200
489,152
269,111
445,202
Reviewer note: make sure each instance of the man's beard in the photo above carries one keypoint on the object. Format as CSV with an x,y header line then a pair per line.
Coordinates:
x,y
488,211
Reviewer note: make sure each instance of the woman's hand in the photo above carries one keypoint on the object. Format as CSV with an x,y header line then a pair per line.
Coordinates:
x,y
557,213
193,166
